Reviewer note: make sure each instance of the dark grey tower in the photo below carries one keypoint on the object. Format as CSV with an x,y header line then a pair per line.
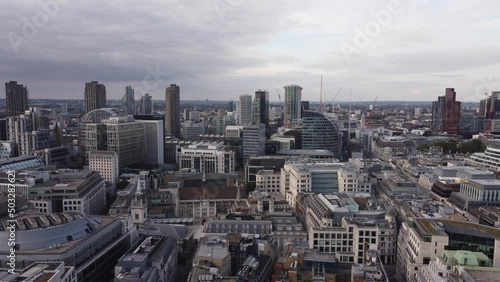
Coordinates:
x,y
16,98
172,111
95,96
128,101
261,108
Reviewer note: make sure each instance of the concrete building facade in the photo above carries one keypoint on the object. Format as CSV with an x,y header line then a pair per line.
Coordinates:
x,y
106,163
172,111
95,96
16,98
207,158
245,110
123,135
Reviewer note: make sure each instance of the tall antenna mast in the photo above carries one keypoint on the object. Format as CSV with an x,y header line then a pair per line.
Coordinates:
x,y
321,95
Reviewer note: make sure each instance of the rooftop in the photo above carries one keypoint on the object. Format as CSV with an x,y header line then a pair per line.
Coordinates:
x,y
482,273
212,251
236,221
303,152
315,255
59,237
285,220
432,226
361,221
147,246
109,153
210,192
489,184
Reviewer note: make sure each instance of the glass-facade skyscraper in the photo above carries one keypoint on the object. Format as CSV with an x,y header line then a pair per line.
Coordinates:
x,y
245,110
261,107
128,101
321,131
293,105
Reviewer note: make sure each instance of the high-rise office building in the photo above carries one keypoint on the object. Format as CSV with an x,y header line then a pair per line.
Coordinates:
x,y
207,158
446,113
293,98
276,113
230,106
172,111
221,113
95,96
64,108
16,98
261,107
145,105
95,116
192,131
123,135
418,112
321,131
128,101
3,129
495,104
245,110
195,116
437,114
305,106
28,134
451,121
490,107
254,141
106,163
154,131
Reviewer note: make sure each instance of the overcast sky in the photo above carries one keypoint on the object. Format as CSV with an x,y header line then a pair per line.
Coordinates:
x,y
218,49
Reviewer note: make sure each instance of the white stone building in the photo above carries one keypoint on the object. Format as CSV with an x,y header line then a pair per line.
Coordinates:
x,y
267,181
106,163
206,158
353,181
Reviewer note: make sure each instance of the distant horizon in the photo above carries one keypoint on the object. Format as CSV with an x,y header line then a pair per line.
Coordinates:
x,y
271,101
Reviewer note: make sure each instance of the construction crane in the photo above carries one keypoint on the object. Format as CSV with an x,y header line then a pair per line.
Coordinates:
x,y
368,119
335,97
336,94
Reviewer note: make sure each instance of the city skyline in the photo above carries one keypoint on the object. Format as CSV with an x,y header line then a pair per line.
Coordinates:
x,y
257,46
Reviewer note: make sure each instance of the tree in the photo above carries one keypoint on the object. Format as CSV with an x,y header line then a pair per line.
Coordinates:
x,y
448,146
472,146
250,186
122,184
423,148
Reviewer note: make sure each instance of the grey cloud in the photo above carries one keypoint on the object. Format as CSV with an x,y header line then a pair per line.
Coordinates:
x,y
114,41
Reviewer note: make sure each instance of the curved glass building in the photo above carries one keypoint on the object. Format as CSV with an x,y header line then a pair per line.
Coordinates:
x,y
321,131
